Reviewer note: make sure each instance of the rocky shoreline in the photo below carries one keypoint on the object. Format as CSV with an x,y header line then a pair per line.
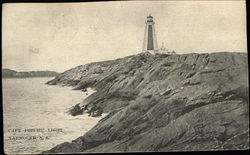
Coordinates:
x,y
191,102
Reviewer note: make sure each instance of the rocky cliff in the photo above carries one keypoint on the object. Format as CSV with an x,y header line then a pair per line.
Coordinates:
x,y
163,103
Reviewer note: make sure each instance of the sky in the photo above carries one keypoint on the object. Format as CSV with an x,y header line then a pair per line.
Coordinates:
x,y
59,36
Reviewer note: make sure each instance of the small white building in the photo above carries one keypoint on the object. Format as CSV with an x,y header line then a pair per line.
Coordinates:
x,y
164,50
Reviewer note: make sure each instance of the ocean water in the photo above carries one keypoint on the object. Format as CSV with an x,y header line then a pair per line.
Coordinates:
x,y
35,117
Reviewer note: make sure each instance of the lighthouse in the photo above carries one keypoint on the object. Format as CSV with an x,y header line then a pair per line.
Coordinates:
x,y
150,42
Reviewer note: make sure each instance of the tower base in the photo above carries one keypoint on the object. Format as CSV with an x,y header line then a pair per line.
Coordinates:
x,y
153,52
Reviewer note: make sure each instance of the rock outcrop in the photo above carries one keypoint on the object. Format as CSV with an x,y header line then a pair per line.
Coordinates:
x,y
163,103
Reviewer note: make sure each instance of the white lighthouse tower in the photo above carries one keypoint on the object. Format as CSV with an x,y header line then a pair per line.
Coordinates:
x,y
150,42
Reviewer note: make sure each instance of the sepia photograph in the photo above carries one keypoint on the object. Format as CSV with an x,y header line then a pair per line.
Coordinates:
x,y
125,76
